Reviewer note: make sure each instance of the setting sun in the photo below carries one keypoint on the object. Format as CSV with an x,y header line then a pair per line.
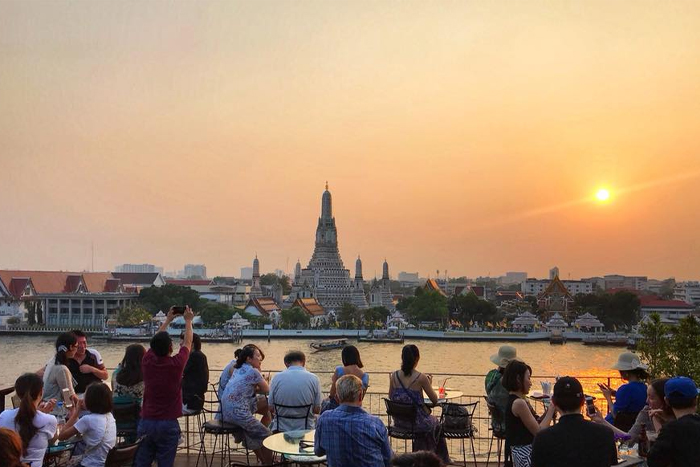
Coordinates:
x,y
602,194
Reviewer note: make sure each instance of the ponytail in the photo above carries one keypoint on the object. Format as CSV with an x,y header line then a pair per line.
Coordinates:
x,y
409,358
28,388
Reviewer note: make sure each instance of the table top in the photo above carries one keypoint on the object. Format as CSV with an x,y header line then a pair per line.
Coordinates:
x,y
288,443
60,446
450,394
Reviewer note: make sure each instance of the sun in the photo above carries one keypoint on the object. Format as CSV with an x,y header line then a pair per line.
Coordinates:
x,y
602,195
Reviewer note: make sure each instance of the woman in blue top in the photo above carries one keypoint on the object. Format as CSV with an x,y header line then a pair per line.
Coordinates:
x,y
352,365
630,398
239,401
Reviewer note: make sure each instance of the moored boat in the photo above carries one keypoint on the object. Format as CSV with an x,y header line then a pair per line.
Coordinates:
x,y
328,345
392,334
608,339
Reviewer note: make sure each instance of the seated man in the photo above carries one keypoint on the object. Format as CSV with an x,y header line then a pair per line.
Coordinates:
x,y
294,387
573,442
348,435
677,443
86,365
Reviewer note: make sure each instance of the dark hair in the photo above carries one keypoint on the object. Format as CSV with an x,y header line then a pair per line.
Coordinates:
x,y
130,372
514,375
161,343
350,356
98,398
682,403
28,387
196,340
638,372
417,459
78,333
11,450
236,353
409,358
294,356
247,352
67,340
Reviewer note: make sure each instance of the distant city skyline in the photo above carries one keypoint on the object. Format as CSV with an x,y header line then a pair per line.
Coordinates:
x,y
472,137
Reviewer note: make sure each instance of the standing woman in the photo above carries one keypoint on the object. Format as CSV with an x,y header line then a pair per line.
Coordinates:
x,y
521,421
127,379
31,420
352,365
57,376
407,386
239,401
631,397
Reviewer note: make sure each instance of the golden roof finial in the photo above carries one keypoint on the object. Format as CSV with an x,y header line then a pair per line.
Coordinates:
x,y
326,185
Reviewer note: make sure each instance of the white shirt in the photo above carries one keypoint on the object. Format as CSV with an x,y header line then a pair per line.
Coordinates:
x,y
37,446
99,434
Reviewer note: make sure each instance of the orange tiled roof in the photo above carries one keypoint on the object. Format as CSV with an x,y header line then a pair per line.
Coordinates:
x,y
310,305
57,282
265,305
431,284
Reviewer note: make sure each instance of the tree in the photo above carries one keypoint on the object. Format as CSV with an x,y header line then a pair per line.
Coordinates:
x,y
133,315
273,279
428,306
653,346
619,310
470,308
375,316
215,314
684,348
156,299
294,318
349,316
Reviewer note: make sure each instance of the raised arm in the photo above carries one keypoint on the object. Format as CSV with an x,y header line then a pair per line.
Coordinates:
x,y
168,319
189,316
523,412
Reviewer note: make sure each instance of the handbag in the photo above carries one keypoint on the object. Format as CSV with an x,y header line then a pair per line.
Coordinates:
x,y
455,417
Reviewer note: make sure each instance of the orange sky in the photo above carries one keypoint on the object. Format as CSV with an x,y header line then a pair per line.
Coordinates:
x,y
455,135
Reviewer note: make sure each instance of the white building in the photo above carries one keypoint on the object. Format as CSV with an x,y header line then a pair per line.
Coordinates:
x,y
670,311
137,268
246,273
554,272
195,270
537,286
688,292
617,281
513,277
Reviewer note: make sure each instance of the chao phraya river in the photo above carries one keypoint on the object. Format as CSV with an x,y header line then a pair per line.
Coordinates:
x,y
19,354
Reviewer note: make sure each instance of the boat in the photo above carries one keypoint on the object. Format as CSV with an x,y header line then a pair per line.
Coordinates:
x,y
328,345
391,334
607,339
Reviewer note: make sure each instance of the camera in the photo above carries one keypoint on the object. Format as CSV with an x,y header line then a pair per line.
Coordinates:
x,y
179,310
590,406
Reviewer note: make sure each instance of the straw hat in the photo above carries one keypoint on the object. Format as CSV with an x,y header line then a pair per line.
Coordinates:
x,y
628,361
505,355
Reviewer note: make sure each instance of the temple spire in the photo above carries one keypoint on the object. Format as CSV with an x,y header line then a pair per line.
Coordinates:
x,y
326,204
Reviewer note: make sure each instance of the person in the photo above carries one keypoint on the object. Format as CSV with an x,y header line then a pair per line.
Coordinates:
x,y
225,377
495,392
652,417
417,459
239,401
96,427
294,387
32,419
127,378
195,378
573,442
521,421
352,365
10,449
407,386
86,365
631,397
677,443
58,379
348,435
162,394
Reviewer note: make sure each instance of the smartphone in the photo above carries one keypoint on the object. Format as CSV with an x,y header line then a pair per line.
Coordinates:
x,y
67,401
179,310
590,406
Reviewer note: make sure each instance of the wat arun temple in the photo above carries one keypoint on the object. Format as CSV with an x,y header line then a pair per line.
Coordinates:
x,y
326,279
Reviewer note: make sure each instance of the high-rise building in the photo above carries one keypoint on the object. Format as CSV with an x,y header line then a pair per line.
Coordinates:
x,y
195,270
246,273
137,268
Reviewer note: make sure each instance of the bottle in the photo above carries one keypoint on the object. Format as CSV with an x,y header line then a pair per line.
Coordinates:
x,y
60,416
643,442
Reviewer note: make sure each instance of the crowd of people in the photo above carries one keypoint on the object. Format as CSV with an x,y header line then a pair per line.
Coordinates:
x,y
68,398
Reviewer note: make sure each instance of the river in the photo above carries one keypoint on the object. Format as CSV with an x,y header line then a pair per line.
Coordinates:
x,y
28,353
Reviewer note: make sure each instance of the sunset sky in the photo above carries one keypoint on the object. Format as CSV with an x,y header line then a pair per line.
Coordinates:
x,y
467,136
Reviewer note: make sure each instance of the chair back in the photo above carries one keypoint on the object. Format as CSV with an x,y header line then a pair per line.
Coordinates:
x,y
401,414
457,418
126,413
123,455
291,412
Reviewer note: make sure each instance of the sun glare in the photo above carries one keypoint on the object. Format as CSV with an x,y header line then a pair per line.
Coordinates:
x,y
602,195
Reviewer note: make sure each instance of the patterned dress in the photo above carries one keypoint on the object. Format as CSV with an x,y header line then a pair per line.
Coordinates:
x,y
239,404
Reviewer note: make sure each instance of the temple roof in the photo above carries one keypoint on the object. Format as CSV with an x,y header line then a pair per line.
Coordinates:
x,y
310,305
556,286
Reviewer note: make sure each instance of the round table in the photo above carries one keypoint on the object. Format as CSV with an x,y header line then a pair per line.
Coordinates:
x,y
450,394
288,443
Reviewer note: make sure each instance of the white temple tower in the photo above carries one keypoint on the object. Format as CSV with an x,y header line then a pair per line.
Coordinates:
x,y
358,290
256,289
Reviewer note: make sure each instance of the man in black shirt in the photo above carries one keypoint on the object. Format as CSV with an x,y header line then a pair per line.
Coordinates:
x,y
678,443
573,442
86,366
